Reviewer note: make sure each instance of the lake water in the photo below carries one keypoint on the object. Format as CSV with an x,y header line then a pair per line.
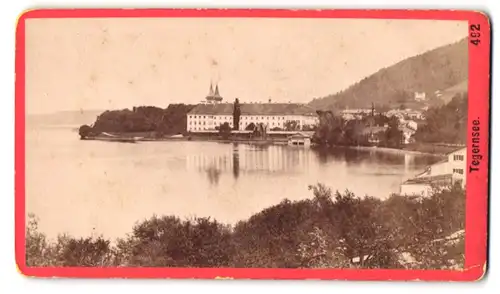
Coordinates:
x,y
91,187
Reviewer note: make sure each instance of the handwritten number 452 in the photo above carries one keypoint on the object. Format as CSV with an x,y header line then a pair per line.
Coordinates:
x,y
475,34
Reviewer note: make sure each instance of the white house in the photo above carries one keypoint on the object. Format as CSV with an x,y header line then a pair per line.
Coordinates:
x,y
420,96
407,134
403,114
447,172
300,139
210,115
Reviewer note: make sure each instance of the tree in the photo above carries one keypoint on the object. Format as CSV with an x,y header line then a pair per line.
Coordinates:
x,y
84,131
236,114
309,127
355,225
447,123
86,252
393,136
353,133
291,125
330,230
169,241
172,120
330,129
250,127
225,130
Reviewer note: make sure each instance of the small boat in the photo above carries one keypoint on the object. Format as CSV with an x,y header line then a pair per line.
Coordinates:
x,y
126,140
113,138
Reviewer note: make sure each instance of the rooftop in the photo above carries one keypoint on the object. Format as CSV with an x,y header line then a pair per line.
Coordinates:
x,y
457,150
255,109
301,135
429,180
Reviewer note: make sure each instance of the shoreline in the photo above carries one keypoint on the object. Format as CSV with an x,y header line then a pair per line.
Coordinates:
x,y
394,150
281,142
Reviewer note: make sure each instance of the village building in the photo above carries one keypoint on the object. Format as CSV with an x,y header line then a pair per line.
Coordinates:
x,y
300,139
420,96
357,113
211,114
407,134
405,114
445,173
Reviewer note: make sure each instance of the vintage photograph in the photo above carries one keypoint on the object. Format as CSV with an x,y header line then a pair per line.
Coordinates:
x,y
246,142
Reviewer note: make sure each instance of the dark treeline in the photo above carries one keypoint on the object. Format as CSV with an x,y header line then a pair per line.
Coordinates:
x,y
331,230
446,124
443,124
171,120
376,129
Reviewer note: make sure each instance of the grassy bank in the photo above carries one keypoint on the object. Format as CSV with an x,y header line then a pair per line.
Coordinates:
x,y
332,230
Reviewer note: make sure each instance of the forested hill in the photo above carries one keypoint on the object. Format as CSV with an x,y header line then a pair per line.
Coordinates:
x,y
436,70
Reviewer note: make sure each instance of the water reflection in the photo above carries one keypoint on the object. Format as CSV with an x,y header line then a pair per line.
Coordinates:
x,y
244,158
359,156
236,161
213,175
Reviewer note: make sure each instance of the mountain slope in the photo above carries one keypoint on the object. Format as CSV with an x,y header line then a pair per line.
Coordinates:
x,y
447,94
432,71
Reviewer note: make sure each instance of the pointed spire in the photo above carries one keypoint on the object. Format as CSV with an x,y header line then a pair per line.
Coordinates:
x,y
211,91
216,94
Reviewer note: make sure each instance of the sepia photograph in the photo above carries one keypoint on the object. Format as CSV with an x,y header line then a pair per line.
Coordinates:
x,y
289,143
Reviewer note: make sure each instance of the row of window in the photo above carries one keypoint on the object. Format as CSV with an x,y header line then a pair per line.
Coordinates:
x,y
210,116
458,157
243,117
458,171
241,123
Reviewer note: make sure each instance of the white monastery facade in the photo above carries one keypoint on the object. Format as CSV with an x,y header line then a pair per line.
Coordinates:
x,y
213,112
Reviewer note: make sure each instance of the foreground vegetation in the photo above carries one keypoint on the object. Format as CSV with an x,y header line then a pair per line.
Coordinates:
x,y
333,230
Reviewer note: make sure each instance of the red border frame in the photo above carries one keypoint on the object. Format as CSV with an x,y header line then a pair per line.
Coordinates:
x,y
477,183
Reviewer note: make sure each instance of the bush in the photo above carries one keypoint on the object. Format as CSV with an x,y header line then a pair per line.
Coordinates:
x,y
225,130
170,242
85,131
333,230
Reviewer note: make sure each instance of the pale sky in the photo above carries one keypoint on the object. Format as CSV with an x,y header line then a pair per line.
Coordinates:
x,y
74,64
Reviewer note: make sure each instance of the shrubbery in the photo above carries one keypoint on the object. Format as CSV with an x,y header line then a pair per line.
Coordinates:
x,y
446,124
331,230
333,130
171,120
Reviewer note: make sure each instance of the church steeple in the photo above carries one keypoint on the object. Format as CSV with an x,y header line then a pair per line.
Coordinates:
x,y
211,91
216,94
213,96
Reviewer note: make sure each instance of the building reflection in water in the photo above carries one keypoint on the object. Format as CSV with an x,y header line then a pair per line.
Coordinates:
x,y
213,175
357,156
238,159
242,158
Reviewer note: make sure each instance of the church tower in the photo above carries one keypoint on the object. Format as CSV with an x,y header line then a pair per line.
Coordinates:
x,y
211,91
213,96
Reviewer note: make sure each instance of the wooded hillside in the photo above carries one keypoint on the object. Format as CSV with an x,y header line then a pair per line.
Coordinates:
x,y
436,70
